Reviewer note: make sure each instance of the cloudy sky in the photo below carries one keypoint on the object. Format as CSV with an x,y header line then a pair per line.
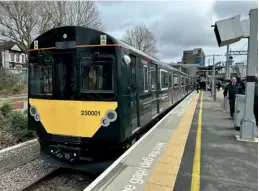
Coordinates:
x,y
177,25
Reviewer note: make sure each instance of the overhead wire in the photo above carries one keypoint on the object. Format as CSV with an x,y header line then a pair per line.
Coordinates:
x,y
241,49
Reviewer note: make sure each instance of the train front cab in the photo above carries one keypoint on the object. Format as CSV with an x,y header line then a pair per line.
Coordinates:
x,y
73,96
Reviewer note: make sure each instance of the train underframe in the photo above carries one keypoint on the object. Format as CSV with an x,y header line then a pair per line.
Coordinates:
x,y
89,155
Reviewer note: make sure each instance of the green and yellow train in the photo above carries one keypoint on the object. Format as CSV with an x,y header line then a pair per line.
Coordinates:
x,y
91,95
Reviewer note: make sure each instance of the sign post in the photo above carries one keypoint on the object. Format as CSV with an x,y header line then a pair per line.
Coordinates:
x,y
248,125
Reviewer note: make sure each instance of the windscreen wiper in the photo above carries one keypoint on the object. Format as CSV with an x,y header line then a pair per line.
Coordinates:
x,y
95,55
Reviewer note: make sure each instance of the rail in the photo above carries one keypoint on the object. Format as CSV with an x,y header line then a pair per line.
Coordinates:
x,y
35,184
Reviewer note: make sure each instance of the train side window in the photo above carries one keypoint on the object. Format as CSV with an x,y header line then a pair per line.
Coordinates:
x,y
169,80
145,72
153,78
164,79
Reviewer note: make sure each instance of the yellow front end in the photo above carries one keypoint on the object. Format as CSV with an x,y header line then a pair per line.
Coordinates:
x,y
72,118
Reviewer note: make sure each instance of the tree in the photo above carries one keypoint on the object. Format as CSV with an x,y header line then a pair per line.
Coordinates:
x,y
51,14
22,21
141,38
83,13
75,13
19,20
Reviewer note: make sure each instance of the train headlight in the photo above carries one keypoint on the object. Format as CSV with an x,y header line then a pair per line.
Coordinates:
x,y
111,115
37,117
105,122
126,59
33,111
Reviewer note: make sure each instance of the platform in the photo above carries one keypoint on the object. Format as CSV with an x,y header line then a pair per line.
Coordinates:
x,y
192,148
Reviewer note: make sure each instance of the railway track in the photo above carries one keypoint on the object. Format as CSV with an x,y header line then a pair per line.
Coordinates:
x,y
61,179
36,184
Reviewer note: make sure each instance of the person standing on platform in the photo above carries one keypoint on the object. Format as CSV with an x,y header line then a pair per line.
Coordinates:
x,y
242,84
232,89
197,86
218,85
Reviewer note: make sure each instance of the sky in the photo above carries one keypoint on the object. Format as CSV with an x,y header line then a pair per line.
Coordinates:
x,y
177,25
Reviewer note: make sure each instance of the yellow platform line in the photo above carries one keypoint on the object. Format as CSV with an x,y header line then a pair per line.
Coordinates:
x,y
164,174
196,169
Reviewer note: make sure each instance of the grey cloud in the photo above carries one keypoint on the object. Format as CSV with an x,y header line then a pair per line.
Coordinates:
x,y
177,25
225,9
186,31
127,14
169,51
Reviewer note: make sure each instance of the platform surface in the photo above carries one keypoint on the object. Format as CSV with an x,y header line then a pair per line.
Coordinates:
x,y
192,148
225,163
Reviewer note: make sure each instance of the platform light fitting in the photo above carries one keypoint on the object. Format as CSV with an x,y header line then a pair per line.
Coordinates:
x,y
228,31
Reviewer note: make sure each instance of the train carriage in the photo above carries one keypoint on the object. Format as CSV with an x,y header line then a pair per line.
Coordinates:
x,y
90,95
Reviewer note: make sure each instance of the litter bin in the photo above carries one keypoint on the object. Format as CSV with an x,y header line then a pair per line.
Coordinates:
x,y
239,110
226,103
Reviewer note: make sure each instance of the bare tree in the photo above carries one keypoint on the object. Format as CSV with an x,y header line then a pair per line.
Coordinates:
x,y
18,20
83,13
22,21
141,38
51,14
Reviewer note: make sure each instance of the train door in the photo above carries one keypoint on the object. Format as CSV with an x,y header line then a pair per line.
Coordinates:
x,y
177,86
64,78
170,89
133,94
153,70
180,86
183,86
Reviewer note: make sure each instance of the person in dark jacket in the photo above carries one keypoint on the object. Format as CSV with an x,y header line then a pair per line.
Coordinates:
x,y
256,102
232,89
197,86
218,85
242,84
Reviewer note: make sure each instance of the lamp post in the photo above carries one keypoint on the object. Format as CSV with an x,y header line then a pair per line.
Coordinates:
x,y
213,84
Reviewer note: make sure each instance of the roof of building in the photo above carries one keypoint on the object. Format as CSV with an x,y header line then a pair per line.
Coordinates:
x,y
7,45
188,51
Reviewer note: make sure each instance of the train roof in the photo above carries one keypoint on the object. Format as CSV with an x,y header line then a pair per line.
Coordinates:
x,y
111,39
143,54
146,55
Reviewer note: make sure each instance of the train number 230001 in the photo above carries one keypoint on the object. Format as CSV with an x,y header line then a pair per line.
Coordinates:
x,y
90,113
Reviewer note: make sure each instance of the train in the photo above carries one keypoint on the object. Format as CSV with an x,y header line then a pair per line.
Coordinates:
x,y
91,96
